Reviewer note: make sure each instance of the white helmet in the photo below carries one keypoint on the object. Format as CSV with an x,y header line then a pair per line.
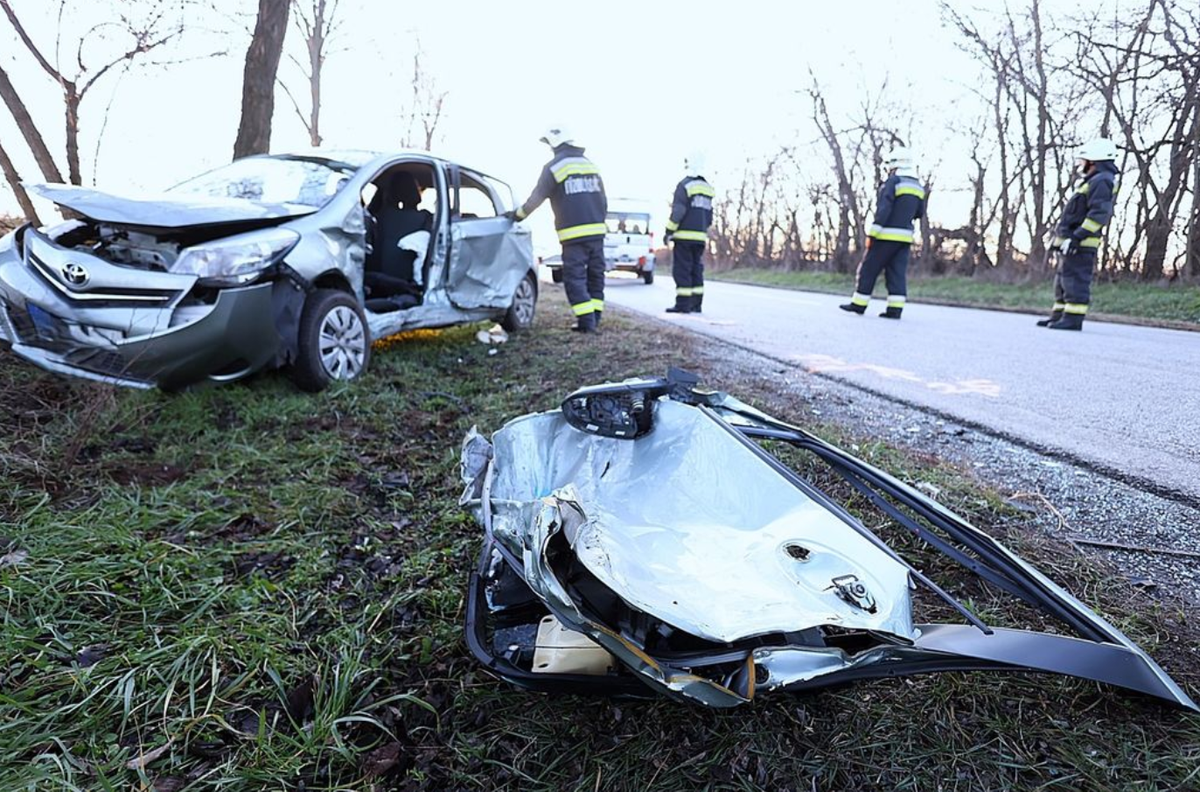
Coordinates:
x,y
693,163
1098,150
899,158
556,135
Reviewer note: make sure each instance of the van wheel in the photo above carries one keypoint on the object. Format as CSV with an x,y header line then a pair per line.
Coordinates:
x,y
520,314
334,343
556,275
648,277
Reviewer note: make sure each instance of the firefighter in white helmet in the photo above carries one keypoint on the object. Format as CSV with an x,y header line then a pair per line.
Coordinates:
x,y
687,228
901,201
572,183
1088,211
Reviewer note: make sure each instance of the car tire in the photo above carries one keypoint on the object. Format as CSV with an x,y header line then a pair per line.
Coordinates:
x,y
524,305
334,341
648,277
556,275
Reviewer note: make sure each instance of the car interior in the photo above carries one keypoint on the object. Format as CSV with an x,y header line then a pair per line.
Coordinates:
x,y
401,205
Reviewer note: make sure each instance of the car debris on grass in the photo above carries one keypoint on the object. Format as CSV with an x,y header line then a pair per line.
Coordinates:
x,y
733,574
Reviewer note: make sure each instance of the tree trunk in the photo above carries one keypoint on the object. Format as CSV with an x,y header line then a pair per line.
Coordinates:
x,y
29,131
1162,221
14,181
71,98
1192,253
316,60
258,79
1040,229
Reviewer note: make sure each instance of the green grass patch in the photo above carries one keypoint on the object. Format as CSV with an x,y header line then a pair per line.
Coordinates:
x,y
1115,301
248,588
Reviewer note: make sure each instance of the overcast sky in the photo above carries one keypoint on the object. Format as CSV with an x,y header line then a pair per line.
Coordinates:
x,y
641,83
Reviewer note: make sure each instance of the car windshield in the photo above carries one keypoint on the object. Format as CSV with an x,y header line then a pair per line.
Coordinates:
x,y
628,223
309,181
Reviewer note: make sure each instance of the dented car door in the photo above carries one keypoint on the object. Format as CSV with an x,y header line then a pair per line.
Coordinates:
x,y
489,255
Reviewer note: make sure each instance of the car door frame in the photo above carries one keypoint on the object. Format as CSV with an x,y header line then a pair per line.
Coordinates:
x,y
483,271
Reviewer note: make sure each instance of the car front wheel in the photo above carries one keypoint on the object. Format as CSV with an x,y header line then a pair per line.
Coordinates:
x,y
334,341
556,275
648,277
524,304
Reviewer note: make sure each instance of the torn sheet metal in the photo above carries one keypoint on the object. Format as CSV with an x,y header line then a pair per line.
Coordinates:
x,y
750,557
647,517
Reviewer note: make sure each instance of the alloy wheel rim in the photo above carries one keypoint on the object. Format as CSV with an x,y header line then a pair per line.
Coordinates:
x,y
342,343
523,302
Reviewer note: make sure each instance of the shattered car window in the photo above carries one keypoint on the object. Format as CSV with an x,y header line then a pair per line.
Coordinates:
x,y
309,182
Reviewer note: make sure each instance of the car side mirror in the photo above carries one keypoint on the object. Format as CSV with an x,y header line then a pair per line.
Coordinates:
x,y
625,410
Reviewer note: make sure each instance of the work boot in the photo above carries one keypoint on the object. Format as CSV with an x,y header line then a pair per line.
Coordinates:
x,y
892,313
854,308
599,315
682,305
585,323
1068,322
696,301
1054,317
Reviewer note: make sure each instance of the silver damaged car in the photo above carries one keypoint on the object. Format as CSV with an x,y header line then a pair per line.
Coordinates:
x,y
294,260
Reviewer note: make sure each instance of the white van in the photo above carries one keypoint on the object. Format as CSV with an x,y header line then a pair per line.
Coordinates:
x,y
628,245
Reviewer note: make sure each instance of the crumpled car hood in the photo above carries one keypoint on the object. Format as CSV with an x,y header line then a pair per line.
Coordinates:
x,y
717,568
644,537
165,210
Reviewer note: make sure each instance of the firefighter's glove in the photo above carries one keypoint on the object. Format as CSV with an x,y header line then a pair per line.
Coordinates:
x,y
1068,246
668,236
511,214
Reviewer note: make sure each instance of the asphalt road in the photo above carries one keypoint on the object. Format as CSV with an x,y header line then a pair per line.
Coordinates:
x,y
1125,399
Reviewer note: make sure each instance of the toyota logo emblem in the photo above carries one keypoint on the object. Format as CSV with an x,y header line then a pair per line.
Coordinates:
x,y
74,274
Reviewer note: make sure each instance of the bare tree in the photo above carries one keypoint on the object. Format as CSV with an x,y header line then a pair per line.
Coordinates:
x,y
258,78
317,22
141,36
849,213
424,112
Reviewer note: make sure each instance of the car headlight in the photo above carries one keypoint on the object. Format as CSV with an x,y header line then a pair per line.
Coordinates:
x,y
238,259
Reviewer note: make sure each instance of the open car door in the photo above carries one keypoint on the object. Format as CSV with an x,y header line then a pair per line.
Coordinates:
x,y
489,254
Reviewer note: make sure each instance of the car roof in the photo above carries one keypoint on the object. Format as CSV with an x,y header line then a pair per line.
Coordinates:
x,y
362,158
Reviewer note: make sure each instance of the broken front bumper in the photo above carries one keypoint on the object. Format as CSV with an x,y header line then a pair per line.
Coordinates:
x,y
163,336
650,520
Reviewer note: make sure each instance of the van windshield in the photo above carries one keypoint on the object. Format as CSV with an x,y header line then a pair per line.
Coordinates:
x,y
628,223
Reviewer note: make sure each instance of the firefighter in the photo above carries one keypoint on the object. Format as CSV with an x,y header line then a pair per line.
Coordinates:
x,y
1088,210
576,192
687,228
889,240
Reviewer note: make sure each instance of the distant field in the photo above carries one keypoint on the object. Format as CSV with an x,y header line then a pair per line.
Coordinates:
x,y
1133,301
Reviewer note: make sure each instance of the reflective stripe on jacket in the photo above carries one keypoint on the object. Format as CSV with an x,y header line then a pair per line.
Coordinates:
x,y
901,201
1090,207
572,183
691,210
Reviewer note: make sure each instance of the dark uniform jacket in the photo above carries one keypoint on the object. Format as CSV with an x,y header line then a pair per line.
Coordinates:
x,y
691,210
576,192
1090,207
901,200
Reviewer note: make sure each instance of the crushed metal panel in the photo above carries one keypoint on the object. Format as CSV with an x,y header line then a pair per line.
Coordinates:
x,y
488,259
711,560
